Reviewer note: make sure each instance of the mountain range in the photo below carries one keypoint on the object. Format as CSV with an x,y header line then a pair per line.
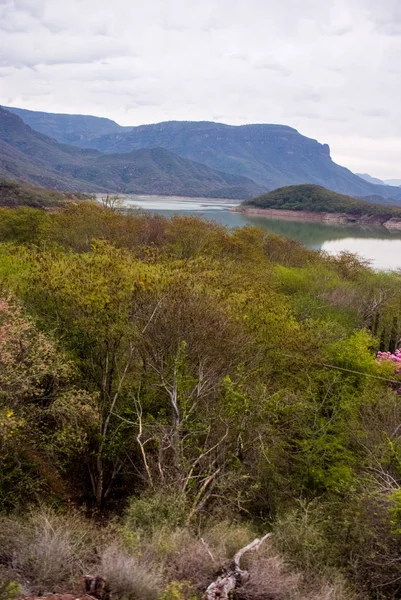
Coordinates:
x,y
35,158
187,158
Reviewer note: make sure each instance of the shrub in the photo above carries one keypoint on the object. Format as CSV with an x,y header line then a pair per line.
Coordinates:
x,y
9,589
227,538
46,549
129,577
178,590
337,590
300,535
189,559
155,511
270,578
273,577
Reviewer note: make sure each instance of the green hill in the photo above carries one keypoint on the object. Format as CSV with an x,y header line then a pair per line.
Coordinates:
x,y
314,198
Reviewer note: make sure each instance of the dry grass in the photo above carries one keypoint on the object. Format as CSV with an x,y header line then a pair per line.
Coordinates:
x,y
227,538
185,557
338,589
273,578
189,560
270,578
46,550
129,577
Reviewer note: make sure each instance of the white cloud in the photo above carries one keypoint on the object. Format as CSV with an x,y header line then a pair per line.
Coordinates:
x,y
330,69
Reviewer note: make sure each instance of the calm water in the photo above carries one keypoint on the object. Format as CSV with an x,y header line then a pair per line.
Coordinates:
x,y
376,244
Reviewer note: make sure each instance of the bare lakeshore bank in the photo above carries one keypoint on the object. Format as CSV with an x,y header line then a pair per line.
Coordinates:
x,y
325,217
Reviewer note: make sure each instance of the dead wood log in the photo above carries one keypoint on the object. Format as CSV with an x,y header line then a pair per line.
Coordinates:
x,y
96,587
229,580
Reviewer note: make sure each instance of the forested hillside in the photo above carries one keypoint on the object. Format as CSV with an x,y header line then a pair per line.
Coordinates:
x,y
170,390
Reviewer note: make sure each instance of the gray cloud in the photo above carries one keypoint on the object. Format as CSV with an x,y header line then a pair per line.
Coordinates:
x,y
329,69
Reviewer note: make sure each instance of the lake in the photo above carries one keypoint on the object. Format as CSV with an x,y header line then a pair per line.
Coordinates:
x,y
377,244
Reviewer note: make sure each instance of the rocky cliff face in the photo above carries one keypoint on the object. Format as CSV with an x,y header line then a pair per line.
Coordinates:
x,y
268,154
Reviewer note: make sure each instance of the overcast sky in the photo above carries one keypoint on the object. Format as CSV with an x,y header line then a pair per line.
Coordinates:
x,y
329,68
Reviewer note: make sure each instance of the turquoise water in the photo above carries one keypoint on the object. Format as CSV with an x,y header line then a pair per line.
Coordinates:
x,y
376,244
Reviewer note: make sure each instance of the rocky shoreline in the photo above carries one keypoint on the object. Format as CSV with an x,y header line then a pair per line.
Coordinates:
x,y
323,217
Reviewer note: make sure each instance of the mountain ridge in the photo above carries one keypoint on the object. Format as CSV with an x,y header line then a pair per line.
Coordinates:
x,y
371,179
35,158
271,155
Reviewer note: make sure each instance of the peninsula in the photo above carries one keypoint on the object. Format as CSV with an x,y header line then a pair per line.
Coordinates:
x,y
316,203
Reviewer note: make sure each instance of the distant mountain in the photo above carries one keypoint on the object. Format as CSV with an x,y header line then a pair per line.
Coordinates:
x,y
371,179
67,129
32,157
270,155
317,199
396,182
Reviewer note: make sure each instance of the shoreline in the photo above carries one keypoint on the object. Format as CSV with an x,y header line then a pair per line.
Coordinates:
x,y
391,223
151,197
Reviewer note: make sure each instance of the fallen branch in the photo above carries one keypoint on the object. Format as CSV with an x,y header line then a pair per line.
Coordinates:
x,y
226,583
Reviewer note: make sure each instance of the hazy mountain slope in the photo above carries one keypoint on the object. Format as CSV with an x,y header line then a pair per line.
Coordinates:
x,y
157,170
33,157
28,156
271,155
67,129
396,182
370,179
14,164
37,146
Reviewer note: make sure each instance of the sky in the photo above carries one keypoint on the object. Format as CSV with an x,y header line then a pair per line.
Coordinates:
x,y
329,68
